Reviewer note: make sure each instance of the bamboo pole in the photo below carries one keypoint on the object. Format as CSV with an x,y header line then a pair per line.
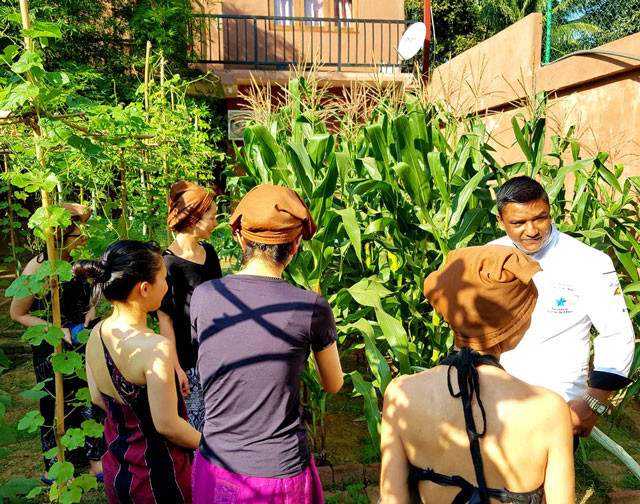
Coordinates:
x,y
123,195
51,255
143,179
12,234
165,165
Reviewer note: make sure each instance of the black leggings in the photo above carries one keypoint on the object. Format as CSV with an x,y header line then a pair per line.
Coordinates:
x,y
94,448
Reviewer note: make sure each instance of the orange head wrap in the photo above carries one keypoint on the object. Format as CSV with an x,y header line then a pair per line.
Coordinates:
x,y
79,213
486,294
187,203
272,215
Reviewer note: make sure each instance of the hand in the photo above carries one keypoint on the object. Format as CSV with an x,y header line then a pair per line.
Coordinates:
x,y
582,417
183,381
67,335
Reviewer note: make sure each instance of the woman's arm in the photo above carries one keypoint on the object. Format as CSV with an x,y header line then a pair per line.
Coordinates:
x,y
20,307
91,314
559,485
166,329
394,475
163,399
329,368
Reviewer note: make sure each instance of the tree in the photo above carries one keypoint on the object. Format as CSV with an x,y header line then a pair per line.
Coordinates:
x,y
456,26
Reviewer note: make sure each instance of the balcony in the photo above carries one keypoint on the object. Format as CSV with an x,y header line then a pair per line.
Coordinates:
x,y
239,41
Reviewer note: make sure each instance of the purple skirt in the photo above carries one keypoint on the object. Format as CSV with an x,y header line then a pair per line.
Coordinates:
x,y
213,485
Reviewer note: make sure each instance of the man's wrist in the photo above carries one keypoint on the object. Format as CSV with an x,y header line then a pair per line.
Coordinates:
x,y
598,407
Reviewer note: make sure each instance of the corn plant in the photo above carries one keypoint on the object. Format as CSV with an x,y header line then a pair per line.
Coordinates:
x,y
412,184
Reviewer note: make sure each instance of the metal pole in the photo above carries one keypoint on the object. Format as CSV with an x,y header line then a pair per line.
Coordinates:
x,y
547,49
427,39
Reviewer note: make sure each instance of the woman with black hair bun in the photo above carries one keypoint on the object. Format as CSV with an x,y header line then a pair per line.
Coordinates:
x,y
131,375
77,314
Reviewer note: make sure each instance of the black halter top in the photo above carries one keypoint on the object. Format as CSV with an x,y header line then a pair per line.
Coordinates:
x,y
466,361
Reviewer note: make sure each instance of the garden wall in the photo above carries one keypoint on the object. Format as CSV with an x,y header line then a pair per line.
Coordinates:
x,y
599,94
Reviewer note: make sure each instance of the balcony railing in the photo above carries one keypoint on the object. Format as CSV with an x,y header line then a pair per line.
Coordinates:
x,y
276,42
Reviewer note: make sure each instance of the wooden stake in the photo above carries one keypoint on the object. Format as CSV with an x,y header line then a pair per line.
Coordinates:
x,y
123,195
10,215
52,255
165,165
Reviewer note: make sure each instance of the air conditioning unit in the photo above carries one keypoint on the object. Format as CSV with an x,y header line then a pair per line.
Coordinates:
x,y
237,122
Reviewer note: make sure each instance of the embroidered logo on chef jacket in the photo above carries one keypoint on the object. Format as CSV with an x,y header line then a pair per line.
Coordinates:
x,y
563,299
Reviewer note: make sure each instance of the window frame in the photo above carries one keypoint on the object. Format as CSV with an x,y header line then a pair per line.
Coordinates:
x,y
298,6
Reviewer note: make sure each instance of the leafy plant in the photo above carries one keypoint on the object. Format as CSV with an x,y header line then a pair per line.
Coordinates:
x,y
393,197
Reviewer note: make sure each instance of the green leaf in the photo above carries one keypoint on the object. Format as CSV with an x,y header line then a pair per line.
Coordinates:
x,y
417,189
18,95
319,148
437,165
5,452
378,143
271,153
35,492
27,60
35,334
23,286
56,217
396,337
60,268
558,180
301,165
461,198
377,362
368,292
6,435
61,471
352,226
73,438
520,138
40,29
31,421
15,487
371,411
92,428
66,362
35,392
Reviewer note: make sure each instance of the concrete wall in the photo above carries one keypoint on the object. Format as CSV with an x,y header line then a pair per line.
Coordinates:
x,y
243,39
598,94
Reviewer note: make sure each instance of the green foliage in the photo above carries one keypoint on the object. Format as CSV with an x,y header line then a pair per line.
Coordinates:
x,y
412,186
456,25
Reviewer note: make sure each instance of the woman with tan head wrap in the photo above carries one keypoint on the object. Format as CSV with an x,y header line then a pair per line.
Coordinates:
x,y
190,260
256,332
518,435
77,315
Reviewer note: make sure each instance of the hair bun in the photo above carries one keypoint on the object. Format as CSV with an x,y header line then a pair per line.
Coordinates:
x,y
97,270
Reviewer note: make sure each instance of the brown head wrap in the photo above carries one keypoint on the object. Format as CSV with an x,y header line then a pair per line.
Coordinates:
x,y
187,203
79,213
485,294
272,215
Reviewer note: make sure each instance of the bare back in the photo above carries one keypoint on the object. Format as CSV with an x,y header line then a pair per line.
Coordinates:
x,y
131,349
524,425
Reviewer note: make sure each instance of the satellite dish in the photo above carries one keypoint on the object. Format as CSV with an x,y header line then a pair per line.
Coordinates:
x,y
412,41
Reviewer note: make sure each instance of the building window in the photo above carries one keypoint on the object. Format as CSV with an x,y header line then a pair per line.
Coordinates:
x,y
314,9
343,9
283,8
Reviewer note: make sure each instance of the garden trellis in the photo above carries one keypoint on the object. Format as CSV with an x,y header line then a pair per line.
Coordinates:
x,y
62,146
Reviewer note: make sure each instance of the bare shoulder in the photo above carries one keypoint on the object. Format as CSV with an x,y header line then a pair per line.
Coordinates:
x,y
157,348
406,386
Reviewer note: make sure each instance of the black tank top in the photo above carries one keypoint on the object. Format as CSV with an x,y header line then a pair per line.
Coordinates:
x,y
466,361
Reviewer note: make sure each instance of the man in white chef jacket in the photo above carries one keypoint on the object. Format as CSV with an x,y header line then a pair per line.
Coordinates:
x,y
577,289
